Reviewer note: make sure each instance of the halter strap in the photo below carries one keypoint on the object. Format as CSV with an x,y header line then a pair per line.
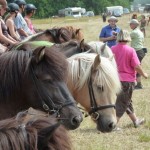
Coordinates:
x,y
55,109
94,107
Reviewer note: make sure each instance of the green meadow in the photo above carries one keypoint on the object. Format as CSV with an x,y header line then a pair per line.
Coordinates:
x,y
86,137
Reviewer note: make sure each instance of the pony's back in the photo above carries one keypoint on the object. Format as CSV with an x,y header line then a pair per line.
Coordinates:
x,y
102,49
37,132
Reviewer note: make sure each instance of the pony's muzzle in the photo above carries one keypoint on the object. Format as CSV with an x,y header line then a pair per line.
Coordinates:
x,y
76,120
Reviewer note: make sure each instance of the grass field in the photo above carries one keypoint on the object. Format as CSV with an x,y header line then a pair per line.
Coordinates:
x,y
86,137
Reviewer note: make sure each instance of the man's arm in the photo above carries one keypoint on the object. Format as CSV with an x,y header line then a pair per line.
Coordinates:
x,y
140,71
105,39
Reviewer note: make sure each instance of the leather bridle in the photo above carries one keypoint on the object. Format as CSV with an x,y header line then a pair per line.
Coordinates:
x,y
94,107
55,109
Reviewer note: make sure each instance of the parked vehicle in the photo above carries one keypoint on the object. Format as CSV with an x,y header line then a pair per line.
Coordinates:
x,y
147,8
71,11
126,11
141,9
117,13
114,10
89,14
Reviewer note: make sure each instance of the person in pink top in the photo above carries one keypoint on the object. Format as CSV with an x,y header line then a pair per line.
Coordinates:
x,y
30,11
127,63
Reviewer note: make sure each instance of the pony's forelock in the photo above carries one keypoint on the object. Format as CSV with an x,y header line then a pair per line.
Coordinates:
x,y
58,61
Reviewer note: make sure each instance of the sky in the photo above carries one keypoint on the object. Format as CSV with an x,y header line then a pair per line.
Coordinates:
x,y
142,1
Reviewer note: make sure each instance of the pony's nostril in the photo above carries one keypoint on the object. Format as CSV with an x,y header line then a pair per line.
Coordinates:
x,y
112,125
76,120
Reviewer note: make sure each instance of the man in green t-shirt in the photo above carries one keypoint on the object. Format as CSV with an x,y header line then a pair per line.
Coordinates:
x,y
137,42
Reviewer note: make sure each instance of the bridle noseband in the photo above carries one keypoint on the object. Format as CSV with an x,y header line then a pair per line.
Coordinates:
x,y
94,108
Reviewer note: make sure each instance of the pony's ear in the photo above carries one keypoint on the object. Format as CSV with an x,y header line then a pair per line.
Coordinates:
x,y
103,47
77,30
82,41
51,32
97,61
48,31
82,45
44,135
38,54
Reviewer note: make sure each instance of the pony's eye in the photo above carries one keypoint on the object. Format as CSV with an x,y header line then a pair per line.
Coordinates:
x,y
100,87
47,80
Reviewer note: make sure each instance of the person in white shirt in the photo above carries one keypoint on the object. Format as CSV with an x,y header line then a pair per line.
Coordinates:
x,y
19,21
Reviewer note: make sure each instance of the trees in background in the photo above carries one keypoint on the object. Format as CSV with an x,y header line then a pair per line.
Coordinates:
x,y
48,8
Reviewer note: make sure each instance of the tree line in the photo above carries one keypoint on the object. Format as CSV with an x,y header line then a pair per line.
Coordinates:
x,y
48,8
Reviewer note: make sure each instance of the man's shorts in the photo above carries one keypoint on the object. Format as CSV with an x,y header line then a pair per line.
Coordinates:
x,y
140,54
124,102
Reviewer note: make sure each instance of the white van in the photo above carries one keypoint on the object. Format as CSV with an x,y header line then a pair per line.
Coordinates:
x,y
115,10
71,11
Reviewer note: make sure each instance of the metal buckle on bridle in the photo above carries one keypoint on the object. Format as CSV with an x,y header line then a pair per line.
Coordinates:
x,y
45,107
55,113
96,116
51,111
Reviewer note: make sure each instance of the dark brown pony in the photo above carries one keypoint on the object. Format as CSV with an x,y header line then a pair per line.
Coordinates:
x,y
36,79
32,131
71,40
76,33
68,48
57,35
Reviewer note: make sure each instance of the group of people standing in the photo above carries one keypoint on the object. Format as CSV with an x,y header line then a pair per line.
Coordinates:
x,y
14,27
143,22
128,59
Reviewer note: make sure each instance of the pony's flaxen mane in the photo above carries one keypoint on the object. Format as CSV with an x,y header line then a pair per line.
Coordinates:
x,y
15,134
80,71
14,66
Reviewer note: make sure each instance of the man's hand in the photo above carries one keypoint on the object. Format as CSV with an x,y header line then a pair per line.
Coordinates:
x,y
145,75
